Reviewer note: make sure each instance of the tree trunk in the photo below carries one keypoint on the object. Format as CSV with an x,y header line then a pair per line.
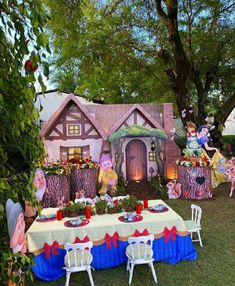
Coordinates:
x,y
118,149
84,180
159,161
196,182
58,191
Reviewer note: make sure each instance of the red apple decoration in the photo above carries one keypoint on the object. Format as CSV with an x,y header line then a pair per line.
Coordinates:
x,y
30,66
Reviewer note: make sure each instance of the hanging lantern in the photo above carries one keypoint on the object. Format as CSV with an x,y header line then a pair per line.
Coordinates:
x,y
153,146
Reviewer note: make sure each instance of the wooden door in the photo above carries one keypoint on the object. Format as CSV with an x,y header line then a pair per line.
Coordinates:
x,y
136,161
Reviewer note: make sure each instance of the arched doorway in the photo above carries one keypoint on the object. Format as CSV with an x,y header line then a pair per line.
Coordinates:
x,y
136,161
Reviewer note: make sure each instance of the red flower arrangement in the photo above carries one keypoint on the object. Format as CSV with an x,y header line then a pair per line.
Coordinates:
x,y
87,163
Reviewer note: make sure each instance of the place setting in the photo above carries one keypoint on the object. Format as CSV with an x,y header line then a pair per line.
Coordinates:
x,y
46,218
160,208
130,217
76,222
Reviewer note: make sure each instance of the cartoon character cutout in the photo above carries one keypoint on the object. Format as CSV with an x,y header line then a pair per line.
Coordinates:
x,y
16,226
40,184
107,176
203,137
174,189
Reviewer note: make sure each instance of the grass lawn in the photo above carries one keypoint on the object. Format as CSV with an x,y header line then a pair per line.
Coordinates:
x,y
215,265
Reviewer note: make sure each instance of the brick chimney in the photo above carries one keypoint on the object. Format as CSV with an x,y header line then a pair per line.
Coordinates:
x,y
171,151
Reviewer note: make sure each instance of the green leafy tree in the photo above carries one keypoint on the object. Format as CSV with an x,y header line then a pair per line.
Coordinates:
x,y
152,50
22,38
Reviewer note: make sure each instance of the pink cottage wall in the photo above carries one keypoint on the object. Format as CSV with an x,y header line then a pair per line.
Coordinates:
x,y
171,150
53,147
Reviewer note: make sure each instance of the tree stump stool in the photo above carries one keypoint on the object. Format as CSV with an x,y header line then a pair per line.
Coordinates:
x,y
196,182
83,181
58,191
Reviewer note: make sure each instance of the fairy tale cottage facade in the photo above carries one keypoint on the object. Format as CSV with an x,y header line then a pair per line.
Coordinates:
x,y
139,137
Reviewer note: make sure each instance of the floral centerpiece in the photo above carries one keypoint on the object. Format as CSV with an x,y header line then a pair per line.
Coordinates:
x,y
129,203
101,206
87,163
61,168
198,162
73,209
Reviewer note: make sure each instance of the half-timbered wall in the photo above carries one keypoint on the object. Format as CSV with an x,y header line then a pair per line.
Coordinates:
x,y
138,118
72,124
53,148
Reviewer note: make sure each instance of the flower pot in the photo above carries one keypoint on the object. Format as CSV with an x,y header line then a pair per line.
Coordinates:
x,y
100,211
111,210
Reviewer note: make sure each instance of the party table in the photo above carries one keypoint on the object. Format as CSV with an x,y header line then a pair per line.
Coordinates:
x,y
109,235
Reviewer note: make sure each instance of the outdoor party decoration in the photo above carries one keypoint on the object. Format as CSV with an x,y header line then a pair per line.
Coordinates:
x,y
107,177
57,182
227,168
30,66
174,189
83,178
194,166
16,226
40,184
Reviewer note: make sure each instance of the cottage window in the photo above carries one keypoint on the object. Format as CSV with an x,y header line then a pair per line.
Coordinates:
x,y
74,153
73,129
152,156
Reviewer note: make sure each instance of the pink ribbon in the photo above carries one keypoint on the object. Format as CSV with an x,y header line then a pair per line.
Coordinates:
x,y
111,239
48,249
138,233
169,233
78,240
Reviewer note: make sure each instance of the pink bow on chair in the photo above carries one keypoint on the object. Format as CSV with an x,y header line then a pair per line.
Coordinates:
x,y
108,239
138,233
51,248
169,233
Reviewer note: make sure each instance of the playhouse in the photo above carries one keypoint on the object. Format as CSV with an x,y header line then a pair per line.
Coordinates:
x,y
139,137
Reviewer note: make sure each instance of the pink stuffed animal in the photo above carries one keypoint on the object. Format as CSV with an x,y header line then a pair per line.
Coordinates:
x,y
174,189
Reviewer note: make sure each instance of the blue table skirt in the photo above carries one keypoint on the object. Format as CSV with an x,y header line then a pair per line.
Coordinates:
x,y
49,269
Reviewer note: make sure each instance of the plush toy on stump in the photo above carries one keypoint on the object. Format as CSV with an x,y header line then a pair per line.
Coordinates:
x,y
107,177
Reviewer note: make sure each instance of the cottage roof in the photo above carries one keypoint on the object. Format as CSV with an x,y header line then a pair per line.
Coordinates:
x,y
107,118
47,126
111,116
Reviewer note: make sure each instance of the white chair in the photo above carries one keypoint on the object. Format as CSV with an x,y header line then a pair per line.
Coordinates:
x,y
194,225
139,251
78,258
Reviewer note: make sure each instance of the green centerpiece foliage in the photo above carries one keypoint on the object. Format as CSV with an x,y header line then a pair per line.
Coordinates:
x,y
129,203
73,210
101,206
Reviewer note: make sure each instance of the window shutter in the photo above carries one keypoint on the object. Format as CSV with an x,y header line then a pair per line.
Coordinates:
x,y
63,153
85,152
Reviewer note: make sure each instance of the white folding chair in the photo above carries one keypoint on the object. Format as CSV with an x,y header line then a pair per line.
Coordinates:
x,y
78,258
139,251
194,225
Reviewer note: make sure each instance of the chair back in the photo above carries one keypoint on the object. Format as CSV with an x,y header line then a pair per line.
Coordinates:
x,y
140,245
196,214
78,254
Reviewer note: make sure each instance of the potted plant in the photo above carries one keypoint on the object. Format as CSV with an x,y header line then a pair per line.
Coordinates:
x,y
111,209
72,209
101,206
16,267
129,203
